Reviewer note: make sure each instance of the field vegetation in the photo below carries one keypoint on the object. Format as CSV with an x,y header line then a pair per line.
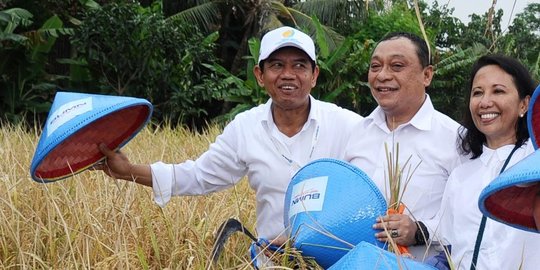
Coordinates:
x,y
194,64
92,221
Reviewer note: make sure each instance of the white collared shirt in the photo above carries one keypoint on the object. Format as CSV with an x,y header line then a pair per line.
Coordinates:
x,y
429,139
252,145
503,247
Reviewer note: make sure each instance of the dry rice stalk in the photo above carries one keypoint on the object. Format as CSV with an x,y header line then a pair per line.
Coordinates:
x,y
397,186
89,221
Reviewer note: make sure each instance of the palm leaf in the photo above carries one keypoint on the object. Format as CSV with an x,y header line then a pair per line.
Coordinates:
x,y
16,38
460,59
331,37
15,17
332,11
91,4
340,52
333,95
206,16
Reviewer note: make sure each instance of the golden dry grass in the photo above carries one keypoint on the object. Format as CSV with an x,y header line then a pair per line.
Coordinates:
x,y
92,221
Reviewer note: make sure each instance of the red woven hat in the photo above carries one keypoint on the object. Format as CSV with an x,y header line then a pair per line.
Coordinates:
x,y
77,124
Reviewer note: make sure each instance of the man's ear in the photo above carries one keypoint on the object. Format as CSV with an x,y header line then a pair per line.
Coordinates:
x,y
428,75
258,75
315,76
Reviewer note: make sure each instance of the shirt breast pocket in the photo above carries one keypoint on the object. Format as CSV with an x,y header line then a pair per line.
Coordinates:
x,y
423,182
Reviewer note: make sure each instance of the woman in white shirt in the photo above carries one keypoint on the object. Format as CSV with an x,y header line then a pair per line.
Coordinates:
x,y
494,133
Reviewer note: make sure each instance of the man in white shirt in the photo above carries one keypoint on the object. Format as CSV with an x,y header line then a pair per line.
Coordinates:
x,y
268,143
399,73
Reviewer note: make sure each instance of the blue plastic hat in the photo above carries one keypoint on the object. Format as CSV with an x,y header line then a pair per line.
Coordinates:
x,y
368,256
77,123
509,198
331,206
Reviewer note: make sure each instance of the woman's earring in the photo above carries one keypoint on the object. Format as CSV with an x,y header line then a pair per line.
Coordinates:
x,y
521,115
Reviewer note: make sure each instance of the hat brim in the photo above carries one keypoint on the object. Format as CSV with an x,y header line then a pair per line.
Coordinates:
x,y
510,197
76,148
533,118
283,45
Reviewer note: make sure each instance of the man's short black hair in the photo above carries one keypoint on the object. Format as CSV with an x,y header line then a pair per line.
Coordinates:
x,y
421,46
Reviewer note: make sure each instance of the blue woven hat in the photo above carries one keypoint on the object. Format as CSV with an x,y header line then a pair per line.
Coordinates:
x,y
368,256
533,118
510,197
77,123
330,206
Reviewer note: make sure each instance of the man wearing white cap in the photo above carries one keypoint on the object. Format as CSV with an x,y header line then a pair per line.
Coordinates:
x,y
268,143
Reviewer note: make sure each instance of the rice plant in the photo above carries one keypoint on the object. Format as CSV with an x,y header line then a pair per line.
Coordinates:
x,y
91,221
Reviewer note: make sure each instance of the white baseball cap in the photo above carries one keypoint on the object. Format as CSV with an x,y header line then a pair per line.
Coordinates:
x,y
284,37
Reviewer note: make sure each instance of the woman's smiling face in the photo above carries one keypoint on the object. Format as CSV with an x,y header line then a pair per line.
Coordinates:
x,y
495,105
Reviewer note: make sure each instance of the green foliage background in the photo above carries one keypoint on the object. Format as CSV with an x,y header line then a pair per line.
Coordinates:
x,y
134,51
193,59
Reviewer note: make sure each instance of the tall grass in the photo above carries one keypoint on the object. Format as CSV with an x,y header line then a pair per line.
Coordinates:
x,y
92,221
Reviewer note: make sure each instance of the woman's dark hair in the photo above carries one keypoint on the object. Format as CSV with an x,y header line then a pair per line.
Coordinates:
x,y
472,140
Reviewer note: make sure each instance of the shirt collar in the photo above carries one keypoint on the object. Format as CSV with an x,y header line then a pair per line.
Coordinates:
x,y
500,154
421,120
314,113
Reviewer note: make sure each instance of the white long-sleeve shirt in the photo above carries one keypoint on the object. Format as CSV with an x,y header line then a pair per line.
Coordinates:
x,y
503,247
252,145
429,139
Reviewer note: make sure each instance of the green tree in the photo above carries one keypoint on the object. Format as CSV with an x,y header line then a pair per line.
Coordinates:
x,y
450,80
341,15
462,45
24,81
451,58
239,20
134,51
483,30
523,38
448,29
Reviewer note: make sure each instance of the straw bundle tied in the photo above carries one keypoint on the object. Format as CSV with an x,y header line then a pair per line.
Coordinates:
x,y
394,176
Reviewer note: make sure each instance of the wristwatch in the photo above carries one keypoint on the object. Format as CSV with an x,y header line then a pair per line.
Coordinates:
x,y
422,234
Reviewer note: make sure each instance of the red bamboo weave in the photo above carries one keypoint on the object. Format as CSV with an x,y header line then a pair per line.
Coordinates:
x,y
535,122
513,205
80,150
